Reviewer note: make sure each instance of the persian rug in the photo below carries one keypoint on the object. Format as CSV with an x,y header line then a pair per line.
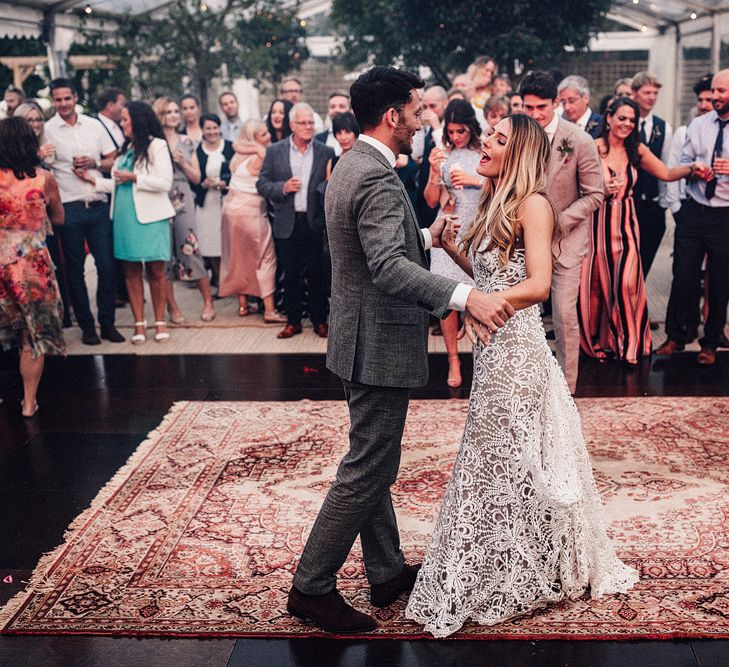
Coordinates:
x,y
200,532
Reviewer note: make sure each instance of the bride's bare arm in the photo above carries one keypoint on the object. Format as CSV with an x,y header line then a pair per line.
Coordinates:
x,y
537,227
449,244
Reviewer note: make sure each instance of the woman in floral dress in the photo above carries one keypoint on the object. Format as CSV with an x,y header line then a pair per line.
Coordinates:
x,y
31,314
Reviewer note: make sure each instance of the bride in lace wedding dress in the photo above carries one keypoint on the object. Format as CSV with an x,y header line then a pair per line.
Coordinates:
x,y
521,525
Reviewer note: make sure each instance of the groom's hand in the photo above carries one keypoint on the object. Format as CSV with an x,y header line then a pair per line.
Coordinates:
x,y
438,227
490,310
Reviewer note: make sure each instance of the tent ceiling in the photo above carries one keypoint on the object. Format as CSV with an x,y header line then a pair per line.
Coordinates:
x,y
658,13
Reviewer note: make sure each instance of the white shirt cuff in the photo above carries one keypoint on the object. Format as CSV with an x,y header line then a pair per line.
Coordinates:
x,y
427,239
459,297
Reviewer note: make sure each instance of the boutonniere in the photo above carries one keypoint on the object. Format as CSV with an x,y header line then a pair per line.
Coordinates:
x,y
591,126
566,148
655,133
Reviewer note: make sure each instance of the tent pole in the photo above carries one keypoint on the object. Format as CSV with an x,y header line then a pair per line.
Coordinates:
x,y
715,44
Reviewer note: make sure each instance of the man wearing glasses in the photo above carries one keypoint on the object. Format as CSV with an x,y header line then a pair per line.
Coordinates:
x,y
291,173
292,90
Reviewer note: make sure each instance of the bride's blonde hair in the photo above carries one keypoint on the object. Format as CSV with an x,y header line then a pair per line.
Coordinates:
x,y
523,173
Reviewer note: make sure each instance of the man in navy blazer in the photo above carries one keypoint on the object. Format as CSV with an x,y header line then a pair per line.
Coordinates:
x,y
574,96
292,171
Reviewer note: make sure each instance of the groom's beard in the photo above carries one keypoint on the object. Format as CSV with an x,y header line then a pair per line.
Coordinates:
x,y
404,139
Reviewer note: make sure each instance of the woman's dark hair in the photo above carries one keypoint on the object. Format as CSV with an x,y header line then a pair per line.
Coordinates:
x,y
189,96
286,127
632,141
462,113
18,147
345,121
540,84
212,117
145,126
605,103
380,89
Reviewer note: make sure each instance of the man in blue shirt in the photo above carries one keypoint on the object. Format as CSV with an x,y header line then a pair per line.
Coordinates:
x,y
702,229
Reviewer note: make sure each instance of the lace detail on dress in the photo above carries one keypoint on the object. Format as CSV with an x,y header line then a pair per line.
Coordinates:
x,y
521,524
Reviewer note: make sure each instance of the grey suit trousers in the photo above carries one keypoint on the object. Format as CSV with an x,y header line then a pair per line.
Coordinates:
x,y
565,293
359,501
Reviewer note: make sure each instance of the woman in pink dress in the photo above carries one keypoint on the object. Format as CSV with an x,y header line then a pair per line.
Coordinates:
x,y
613,310
248,262
31,314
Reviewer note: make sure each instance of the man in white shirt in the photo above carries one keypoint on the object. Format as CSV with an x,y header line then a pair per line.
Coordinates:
x,y
230,128
574,96
338,103
83,144
110,103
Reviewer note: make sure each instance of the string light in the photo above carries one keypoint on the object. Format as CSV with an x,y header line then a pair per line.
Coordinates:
x,y
87,9
203,7
693,16
643,28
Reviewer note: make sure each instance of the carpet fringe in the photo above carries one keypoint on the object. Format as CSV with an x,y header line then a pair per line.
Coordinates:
x,y
41,581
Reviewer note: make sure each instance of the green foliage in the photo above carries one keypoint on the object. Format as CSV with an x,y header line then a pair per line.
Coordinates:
x,y
21,46
447,36
190,43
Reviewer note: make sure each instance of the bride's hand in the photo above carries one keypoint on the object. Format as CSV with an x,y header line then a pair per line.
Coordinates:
x,y
448,237
474,330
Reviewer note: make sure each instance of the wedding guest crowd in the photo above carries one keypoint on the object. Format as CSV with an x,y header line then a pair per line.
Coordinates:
x,y
235,207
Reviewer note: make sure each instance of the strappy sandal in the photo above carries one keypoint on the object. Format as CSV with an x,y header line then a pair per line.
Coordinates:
x,y
139,338
208,314
455,379
32,414
243,311
161,336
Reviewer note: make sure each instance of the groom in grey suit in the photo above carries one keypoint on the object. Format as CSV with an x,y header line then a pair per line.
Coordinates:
x,y
382,292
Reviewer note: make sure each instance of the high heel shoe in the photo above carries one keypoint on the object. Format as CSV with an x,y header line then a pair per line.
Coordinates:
x,y
208,314
454,372
161,336
139,338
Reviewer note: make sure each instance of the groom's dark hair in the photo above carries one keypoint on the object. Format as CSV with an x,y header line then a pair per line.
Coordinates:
x,y
380,89
539,83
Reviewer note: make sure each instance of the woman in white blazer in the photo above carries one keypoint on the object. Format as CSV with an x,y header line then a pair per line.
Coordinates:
x,y
141,210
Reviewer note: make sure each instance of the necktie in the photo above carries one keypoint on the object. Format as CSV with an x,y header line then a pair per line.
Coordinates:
x,y
642,132
718,145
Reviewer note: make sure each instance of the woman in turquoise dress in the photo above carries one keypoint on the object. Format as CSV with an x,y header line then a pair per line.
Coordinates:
x,y
141,210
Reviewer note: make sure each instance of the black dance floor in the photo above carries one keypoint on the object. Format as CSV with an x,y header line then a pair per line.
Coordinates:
x,y
94,412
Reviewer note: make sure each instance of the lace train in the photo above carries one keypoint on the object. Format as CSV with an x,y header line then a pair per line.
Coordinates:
x,y
521,524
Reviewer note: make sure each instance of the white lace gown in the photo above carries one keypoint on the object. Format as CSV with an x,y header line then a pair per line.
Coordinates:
x,y
522,523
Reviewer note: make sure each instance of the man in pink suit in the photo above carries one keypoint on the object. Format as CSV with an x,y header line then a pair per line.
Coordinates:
x,y
576,188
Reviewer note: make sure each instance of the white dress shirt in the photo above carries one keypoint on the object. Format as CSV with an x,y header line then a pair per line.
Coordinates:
x,y
113,129
584,119
85,137
676,190
460,294
647,124
551,128
301,166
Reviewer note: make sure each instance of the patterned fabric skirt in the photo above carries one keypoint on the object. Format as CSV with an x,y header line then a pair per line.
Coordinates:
x,y
31,313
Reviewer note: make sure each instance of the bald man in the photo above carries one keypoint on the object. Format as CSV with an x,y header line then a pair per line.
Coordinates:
x,y
434,104
702,229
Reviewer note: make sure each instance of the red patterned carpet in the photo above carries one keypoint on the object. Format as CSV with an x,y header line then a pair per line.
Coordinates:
x,y
199,533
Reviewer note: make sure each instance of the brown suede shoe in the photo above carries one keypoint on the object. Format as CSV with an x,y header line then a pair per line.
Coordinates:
x,y
706,357
289,330
383,595
330,612
321,330
668,348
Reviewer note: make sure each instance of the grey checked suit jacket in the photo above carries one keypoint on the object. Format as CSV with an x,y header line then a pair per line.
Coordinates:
x,y
382,289
276,170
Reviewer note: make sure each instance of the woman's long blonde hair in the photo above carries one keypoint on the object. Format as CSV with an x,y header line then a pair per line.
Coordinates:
x,y
249,129
524,172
